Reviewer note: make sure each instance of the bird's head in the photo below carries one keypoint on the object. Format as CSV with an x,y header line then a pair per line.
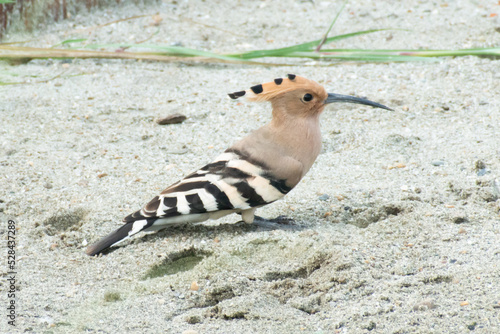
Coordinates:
x,y
297,95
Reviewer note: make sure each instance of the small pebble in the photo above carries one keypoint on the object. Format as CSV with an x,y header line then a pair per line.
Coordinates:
x,y
193,319
194,286
156,20
459,220
479,164
324,197
472,326
482,172
437,163
464,303
424,305
171,119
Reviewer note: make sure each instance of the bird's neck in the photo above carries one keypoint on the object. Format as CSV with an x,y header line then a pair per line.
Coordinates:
x,y
299,136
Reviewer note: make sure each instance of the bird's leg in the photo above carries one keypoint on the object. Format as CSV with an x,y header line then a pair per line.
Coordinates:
x,y
248,215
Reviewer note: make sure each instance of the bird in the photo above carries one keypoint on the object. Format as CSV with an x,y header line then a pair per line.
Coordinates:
x,y
255,171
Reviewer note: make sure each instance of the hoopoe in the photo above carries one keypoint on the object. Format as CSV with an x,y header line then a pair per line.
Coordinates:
x,y
257,170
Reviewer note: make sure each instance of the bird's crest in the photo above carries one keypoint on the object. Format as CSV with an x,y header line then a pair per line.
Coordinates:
x,y
269,90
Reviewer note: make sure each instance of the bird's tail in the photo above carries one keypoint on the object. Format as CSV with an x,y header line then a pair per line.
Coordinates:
x,y
121,234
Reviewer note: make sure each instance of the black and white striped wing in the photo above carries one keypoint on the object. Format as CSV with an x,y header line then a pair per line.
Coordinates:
x,y
232,183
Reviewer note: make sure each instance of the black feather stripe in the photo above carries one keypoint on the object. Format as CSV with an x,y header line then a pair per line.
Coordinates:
x,y
194,174
214,166
231,172
248,192
153,205
291,76
170,202
195,204
278,81
115,237
280,185
110,239
172,212
221,198
134,216
186,186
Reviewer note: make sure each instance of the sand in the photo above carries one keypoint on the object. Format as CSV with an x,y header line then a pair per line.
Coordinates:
x,y
396,226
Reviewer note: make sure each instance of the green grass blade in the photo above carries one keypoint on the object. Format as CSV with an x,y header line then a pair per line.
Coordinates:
x,y
178,51
308,46
348,55
484,52
323,40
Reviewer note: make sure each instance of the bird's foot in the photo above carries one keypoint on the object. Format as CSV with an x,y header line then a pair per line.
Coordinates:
x,y
284,220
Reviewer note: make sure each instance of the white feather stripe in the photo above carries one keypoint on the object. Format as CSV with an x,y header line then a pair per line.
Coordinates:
x,y
245,166
264,188
190,218
182,204
208,200
182,219
119,241
137,226
233,195
201,177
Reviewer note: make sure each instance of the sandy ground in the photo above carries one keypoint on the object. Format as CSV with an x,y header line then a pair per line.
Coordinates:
x,y
396,225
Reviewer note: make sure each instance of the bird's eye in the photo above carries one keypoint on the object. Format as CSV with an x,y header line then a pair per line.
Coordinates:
x,y
307,97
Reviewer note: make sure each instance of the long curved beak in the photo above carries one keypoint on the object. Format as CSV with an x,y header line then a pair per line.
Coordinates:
x,y
352,99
